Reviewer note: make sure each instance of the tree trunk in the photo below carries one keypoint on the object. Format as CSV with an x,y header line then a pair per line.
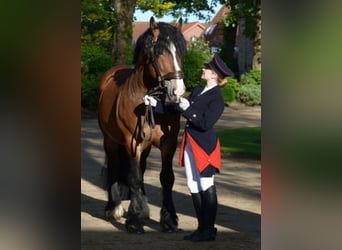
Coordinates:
x,y
246,50
257,39
124,10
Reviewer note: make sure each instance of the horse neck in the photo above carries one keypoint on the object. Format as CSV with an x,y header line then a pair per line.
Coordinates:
x,y
145,79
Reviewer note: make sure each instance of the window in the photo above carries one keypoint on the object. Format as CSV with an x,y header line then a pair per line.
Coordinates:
x,y
215,50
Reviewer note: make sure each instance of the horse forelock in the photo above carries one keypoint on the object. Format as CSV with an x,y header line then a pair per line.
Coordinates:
x,y
168,34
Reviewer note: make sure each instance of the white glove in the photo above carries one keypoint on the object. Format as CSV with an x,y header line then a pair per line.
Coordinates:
x,y
149,100
183,103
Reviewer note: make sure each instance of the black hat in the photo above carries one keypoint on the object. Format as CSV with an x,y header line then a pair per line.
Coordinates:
x,y
220,68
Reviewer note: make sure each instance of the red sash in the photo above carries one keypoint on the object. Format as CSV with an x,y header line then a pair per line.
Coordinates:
x,y
202,159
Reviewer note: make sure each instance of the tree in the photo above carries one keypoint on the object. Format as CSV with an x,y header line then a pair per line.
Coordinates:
x,y
124,11
97,23
247,14
178,8
248,10
122,37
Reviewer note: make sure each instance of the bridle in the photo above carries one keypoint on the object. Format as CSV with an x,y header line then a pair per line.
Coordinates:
x,y
160,89
157,91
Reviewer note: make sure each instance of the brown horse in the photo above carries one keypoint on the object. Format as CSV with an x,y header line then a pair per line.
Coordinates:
x,y
130,130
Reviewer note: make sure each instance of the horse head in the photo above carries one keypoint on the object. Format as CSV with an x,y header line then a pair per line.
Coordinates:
x,y
164,47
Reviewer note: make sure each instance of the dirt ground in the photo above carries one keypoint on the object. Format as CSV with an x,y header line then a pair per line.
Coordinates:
x,y
238,188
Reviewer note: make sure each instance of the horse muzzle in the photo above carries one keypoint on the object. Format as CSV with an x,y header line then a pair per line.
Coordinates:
x,y
174,84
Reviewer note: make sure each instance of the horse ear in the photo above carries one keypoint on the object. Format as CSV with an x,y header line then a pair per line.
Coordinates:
x,y
153,24
179,24
155,30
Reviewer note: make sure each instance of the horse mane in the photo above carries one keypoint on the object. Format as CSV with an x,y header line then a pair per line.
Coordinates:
x,y
168,33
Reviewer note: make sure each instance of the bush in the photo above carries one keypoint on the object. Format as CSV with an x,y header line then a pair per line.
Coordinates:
x,y
198,53
234,83
228,94
252,77
250,94
94,62
250,88
230,90
89,92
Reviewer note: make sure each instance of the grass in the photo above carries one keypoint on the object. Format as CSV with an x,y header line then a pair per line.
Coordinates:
x,y
241,142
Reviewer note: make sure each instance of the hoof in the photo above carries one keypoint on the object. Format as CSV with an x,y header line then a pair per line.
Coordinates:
x,y
135,229
117,213
169,228
167,223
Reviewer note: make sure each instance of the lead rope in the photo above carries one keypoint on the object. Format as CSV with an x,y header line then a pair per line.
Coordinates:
x,y
149,119
149,116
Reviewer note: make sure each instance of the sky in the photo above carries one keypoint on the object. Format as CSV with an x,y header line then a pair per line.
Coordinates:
x,y
145,17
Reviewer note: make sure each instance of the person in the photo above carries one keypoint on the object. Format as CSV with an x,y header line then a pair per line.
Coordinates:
x,y
200,146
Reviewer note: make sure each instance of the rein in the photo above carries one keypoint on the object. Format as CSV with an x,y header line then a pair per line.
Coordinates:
x,y
149,117
156,92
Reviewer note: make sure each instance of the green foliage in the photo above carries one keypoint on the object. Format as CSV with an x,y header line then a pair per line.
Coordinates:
x,y
198,53
192,69
250,90
129,46
97,22
250,94
234,83
242,141
94,62
248,9
89,92
228,94
199,44
230,90
179,8
252,77
159,8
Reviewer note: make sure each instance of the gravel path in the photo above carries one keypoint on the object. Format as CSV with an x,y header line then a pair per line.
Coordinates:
x,y
238,189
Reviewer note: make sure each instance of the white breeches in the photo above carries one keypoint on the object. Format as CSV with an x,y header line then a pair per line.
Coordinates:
x,y
195,182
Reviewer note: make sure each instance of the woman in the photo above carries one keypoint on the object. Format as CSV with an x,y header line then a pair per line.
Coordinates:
x,y
200,147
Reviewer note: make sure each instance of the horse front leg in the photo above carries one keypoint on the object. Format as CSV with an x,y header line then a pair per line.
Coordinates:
x,y
137,208
168,216
114,208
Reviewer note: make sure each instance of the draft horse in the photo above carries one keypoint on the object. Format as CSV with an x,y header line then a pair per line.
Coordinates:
x,y
129,129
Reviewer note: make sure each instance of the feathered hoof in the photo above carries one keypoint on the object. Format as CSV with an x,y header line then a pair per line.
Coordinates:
x,y
167,223
167,228
135,228
117,213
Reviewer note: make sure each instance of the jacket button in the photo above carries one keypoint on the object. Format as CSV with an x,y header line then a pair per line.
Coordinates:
x,y
194,115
